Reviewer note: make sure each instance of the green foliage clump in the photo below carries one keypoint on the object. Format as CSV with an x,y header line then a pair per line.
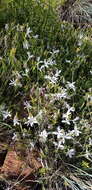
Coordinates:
x,y
45,89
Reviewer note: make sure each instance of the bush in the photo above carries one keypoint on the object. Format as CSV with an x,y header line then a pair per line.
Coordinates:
x,y
45,90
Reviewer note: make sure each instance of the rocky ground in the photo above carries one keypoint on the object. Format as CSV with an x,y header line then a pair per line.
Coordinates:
x,y
18,166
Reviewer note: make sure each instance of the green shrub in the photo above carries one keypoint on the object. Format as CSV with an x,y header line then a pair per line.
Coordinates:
x,y
45,90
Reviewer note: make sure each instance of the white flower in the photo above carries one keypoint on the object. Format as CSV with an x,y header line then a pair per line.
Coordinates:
x,y
61,136
31,121
68,136
6,26
59,145
77,132
15,82
35,37
43,136
27,105
67,115
28,32
80,43
15,137
67,105
47,63
38,60
71,85
80,39
32,145
54,51
90,141
87,154
90,72
71,153
81,35
71,109
16,121
66,121
57,74
60,95
74,132
75,119
52,79
60,133
68,61
25,44
29,56
26,72
6,114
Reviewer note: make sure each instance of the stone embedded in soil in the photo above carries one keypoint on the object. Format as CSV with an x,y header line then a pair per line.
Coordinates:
x,y
19,163
12,164
16,164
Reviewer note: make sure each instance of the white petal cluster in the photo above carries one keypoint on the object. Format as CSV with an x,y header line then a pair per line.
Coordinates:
x,y
28,32
47,63
31,121
15,82
26,45
71,153
67,116
43,136
16,121
54,78
71,85
27,105
6,114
